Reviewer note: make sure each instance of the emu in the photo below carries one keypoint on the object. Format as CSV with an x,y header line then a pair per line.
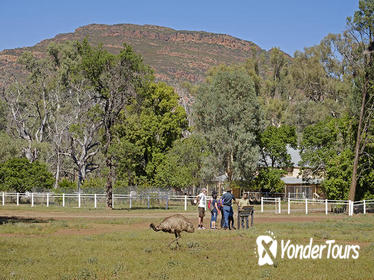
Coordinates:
x,y
174,224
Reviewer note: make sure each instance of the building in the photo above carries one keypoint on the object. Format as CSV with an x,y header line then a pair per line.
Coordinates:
x,y
295,185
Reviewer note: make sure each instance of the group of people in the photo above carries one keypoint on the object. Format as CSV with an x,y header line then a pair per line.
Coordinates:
x,y
223,206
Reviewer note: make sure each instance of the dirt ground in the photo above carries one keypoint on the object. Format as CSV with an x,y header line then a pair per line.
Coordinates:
x,y
157,216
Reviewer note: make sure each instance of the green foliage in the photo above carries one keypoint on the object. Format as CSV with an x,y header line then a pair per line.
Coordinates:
x,y
182,165
273,144
363,19
20,175
327,152
3,116
274,157
9,147
338,175
366,185
227,114
94,184
269,180
365,188
323,141
66,185
146,132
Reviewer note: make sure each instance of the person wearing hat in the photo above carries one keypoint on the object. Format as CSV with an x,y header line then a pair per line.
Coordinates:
x,y
201,199
227,199
244,202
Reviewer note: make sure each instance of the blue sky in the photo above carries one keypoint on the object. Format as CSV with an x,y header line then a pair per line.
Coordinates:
x,y
288,24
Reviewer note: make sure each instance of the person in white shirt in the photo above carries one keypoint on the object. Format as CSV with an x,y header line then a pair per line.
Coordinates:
x,y
201,198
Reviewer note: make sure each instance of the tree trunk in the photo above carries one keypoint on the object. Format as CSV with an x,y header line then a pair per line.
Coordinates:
x,y
57,175
109,186
352,189
30,153
81,176
229,170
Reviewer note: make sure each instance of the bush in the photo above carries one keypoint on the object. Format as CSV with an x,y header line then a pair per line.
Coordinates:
x,y
269,180
20,175
94,185
65,185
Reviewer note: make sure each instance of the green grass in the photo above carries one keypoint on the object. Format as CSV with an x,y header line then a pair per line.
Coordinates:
x,y
70,249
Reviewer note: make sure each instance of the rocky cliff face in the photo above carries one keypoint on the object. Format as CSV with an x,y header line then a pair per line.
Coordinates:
x,y
175,56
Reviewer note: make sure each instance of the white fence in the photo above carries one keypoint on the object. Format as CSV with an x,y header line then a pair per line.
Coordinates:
x,y
79,200
152,200
319,205
273,202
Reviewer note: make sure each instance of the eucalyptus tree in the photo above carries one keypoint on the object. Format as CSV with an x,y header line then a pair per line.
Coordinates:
x,y
146,131
29,105
360,35
114,81
183,164
227,114
273,146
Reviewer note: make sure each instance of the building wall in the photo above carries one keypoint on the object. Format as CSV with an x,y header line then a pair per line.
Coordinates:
x,y
303,191
293,172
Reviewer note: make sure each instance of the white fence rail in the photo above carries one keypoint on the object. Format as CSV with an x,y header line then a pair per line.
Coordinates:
x,y
326,206
273,202
79,200
152,200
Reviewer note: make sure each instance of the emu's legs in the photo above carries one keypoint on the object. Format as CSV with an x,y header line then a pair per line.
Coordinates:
x,y
177,236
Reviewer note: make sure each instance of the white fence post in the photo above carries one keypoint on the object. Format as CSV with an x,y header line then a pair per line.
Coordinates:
x,y
289,206
279,205
95,201
130,200
32,199
167,203
262,204
352,207
63,200
3,200
364,207
326,206
17,199
306,206
47,199
185,203
148,202
349,208
112,200
79,200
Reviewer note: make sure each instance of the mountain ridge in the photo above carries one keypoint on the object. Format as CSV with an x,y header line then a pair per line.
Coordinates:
x,y
175,55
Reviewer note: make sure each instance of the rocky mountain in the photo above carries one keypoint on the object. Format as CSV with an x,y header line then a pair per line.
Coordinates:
x,y
175,55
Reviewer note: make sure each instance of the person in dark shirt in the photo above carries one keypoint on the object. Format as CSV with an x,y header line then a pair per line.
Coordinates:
x,y
214,211
227,199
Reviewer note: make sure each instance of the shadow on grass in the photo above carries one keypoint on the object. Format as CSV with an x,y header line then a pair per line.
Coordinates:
x,y
14,220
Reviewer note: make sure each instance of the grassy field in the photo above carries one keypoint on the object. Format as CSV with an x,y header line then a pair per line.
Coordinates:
x,y
58,243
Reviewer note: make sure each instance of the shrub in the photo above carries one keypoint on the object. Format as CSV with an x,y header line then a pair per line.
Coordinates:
x,y
20,175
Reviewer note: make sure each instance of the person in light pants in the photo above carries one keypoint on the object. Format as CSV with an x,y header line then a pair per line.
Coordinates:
x,y
201,199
